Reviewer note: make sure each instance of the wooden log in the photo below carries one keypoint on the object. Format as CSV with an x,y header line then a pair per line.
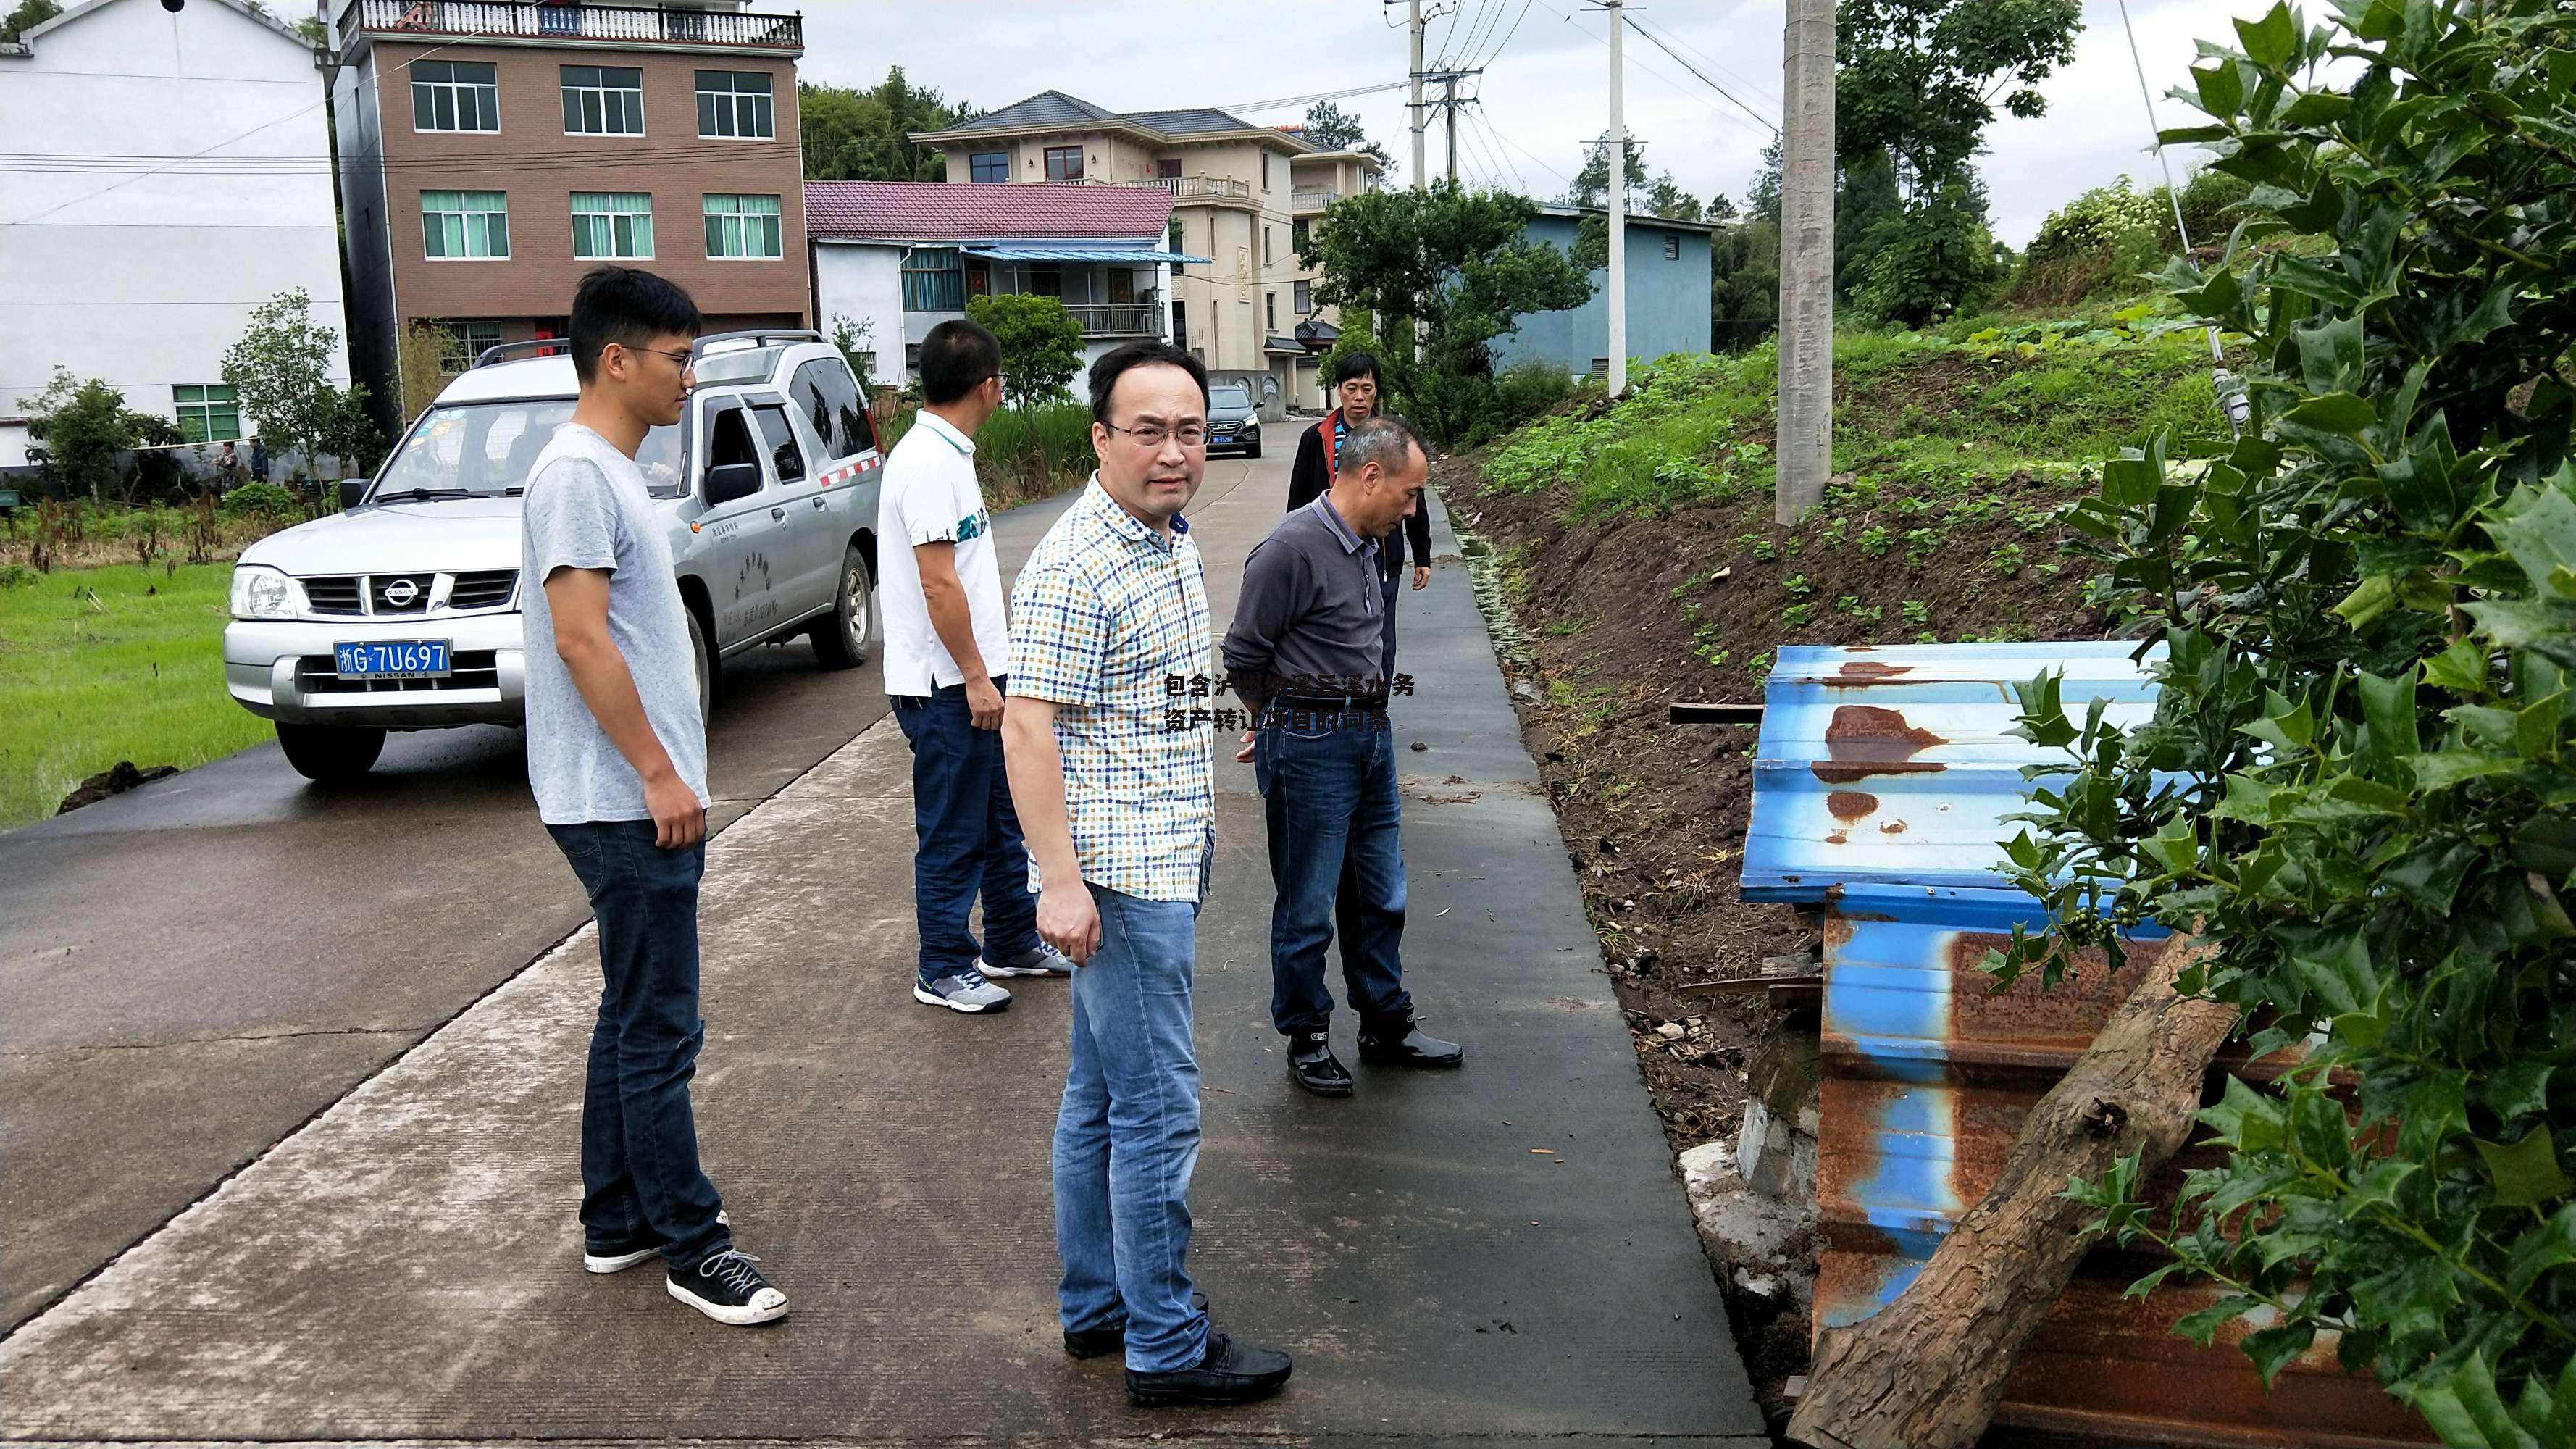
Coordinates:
x,y
1926,1371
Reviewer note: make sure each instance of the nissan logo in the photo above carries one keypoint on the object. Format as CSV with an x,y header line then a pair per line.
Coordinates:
x,y
401,592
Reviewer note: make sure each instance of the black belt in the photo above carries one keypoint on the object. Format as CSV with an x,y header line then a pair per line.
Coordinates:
x,y
1330,704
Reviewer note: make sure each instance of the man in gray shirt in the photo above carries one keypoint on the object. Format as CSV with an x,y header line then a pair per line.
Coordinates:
x,y
617,756
1306,653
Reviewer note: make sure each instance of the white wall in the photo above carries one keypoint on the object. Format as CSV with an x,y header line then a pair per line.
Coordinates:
x,y
145,277
863,281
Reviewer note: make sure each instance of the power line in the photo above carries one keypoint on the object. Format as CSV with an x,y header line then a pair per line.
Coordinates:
x,y
1507,35
1524,150
1286,101
1695,70
1668,81
1748,87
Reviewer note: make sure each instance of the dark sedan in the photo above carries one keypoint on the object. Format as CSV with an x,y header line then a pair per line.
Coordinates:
x,y
1234,420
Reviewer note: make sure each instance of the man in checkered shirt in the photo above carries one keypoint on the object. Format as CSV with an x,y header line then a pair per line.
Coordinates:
x,y
1119,810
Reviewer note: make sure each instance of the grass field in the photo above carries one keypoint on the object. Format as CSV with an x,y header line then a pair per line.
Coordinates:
x,y
106,664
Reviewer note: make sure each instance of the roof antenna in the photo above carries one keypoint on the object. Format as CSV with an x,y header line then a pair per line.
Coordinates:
x,y
2229,387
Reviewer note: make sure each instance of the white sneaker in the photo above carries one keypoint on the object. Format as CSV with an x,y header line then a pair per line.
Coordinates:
x,y
966,991
1046,960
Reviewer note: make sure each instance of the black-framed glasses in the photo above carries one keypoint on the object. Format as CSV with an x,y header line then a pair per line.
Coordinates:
x,y
682,358
1190,435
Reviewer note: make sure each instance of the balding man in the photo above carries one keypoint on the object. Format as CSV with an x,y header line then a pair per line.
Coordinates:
x,y
1306,652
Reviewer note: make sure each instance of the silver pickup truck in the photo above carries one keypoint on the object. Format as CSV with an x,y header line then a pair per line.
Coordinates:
x,y
401,612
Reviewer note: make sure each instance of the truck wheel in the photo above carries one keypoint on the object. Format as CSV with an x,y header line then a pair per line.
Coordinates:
x,y
709,667
841,639
330,754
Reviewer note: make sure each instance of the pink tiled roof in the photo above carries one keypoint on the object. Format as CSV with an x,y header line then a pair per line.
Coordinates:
x,y
940,210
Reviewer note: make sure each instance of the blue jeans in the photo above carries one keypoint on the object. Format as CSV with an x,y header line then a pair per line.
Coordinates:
x,y
1328,795
1127,1135
969,836
639,1140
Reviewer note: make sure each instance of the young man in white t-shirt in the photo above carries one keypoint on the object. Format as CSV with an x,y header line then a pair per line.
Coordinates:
x,y
947,660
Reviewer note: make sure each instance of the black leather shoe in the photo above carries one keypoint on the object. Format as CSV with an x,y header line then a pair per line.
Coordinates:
x,y
1232,1373
1415,1048
1312,1065
1100,1342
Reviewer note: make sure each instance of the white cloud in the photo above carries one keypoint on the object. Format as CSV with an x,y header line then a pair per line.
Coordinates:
x,y
1544,95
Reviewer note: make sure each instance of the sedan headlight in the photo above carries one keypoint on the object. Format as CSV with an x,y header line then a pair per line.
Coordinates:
x,y
261,592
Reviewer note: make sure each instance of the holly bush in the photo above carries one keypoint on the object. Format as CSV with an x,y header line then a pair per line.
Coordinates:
x,y
2359,782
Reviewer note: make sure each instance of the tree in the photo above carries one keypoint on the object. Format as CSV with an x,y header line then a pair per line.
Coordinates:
x,y
280,372
1463,265
1764,198
348,431
865,135
81,425
1667,199
1330,128
1927,261
1744,295
2360,778
1917,80
28,15
1592,183
1041,344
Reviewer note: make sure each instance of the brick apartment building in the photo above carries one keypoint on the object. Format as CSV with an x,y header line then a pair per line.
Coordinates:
x,y
491,153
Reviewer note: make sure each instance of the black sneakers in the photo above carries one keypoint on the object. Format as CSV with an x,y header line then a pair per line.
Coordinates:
x,y
1100,1342
1232,1373
617,1257
728,1289
1312,1065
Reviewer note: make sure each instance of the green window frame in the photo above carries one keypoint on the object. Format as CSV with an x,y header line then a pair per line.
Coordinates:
x,y
462,342
743,228
207,412
455,95
465,225
612,224
1174,236
603,100
934,280
736,105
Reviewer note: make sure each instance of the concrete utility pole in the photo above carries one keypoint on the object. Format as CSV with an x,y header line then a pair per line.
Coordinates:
x,y
1419,119
1449,103
1615,151
1806,419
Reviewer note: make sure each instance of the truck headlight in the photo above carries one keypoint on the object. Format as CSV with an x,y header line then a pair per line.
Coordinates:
x,y
261,592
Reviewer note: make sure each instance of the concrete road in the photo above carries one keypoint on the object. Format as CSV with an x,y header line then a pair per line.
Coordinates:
x,y
404,1266
194,969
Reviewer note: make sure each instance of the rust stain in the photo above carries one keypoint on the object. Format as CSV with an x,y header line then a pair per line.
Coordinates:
x,y
1866,740
1850,804
1893,827
1871,669
1839,837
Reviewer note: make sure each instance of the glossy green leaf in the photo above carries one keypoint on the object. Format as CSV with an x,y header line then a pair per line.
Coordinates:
x,y
2525,1173
2273,41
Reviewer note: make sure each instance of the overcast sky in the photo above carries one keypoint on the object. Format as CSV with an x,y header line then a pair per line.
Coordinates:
x,y
1544,94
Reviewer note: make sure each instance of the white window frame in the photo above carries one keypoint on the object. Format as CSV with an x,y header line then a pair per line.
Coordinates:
x,y
464,215
730,104
608,97
205,405
714,215
595,218
486,97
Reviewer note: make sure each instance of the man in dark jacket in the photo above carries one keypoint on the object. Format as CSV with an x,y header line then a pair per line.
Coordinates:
x,y
1319,449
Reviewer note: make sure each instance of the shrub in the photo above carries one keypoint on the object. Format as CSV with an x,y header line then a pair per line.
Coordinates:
x,y
1927,262
1529,391
261,500
2359,785
1041,343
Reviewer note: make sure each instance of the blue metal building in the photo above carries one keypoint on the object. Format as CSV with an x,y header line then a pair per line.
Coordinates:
x,y
1669,284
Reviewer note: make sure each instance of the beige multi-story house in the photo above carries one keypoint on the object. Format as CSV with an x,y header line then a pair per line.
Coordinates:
x,y
1317,180
1235,190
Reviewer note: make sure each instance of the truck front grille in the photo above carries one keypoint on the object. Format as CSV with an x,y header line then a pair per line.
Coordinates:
x,y
471,669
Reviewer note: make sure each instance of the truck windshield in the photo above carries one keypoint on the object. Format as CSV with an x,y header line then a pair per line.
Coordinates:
x,y
486,450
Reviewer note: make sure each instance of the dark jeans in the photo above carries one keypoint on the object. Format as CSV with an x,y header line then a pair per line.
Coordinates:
x,y
1395,573
639,1141
1328,796
969,836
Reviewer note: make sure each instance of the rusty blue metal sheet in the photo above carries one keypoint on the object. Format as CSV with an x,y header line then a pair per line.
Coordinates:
x,y
1882,786
1898,764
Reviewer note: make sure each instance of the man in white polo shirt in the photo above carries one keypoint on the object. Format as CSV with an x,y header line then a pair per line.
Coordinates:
x,y
947,661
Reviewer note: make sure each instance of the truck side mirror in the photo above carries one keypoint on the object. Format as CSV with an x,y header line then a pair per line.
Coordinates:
x,y
353,491
729,481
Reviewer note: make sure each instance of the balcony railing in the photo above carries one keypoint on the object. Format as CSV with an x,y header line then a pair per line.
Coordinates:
x,y
1119,320
1192,188
599,24
1312,198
